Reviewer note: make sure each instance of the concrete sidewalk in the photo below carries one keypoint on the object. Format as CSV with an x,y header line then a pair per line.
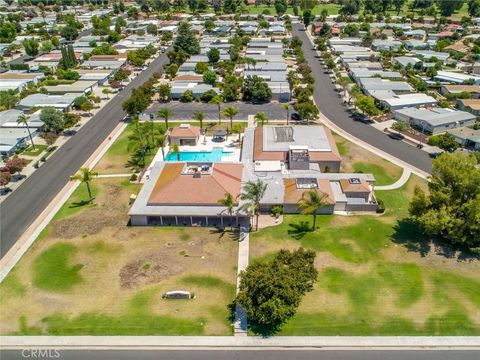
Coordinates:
x,y
397,184
242,342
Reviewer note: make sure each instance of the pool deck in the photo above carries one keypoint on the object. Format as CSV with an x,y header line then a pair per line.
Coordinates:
x,y
205,144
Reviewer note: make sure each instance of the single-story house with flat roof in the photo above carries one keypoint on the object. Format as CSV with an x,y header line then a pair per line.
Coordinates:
x,y
408,100
376,84
12,139
80,87
101,76
197,89
435,120
455,77
466,137
404,61
386,45
62,102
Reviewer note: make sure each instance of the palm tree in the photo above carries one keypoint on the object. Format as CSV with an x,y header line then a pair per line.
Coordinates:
x,y
230,112
261,118
165,114
218,100
162,141
312,201
175,149
199,116
237,129
253,193
85,176
23,120
286,107
137,141
229,202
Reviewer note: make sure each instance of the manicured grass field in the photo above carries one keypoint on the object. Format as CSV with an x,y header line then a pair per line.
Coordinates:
x,y
377,275
89,273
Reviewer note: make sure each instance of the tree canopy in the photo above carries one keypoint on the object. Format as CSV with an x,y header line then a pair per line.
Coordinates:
x,y
186,40
451,210
271,291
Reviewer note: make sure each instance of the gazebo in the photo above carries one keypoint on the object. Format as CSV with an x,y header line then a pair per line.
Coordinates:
x,y
219,135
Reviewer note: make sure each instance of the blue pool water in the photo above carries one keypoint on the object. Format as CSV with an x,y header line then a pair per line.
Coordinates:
x,y
208,156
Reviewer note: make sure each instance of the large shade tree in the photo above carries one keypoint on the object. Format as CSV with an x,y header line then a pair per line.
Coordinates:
x,y
451,209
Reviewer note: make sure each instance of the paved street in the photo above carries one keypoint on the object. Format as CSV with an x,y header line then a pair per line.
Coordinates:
x,y
330,104
248,354
21,208
184,111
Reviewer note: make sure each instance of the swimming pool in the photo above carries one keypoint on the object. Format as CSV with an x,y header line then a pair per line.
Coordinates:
x,y
208,156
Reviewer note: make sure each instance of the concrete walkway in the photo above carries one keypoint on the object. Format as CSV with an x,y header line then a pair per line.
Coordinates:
x,y
113,175
243,343
240,323
397,184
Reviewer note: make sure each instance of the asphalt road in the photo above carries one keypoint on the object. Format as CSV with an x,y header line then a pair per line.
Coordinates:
x,y
183,111
23,206
245,355
331,105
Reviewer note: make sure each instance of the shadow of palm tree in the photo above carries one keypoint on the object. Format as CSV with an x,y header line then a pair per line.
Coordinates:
x,y
298,231
81,203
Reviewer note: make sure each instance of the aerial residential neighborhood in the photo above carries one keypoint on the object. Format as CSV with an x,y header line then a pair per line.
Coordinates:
x,y
245,176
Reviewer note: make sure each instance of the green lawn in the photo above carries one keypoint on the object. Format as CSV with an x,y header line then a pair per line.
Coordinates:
x,y
331,8
31,152
375,277
382,178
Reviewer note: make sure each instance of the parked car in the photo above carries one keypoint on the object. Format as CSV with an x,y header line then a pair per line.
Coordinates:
x,y
295,116
396,136
356,116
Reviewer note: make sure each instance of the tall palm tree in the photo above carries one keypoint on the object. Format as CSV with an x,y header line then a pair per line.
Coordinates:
x,y
261,118
165,114
162,141
23,120
137,141
286,107
253,192
176,150
310,202
229,202
237,129
199,116
230,112
85,176
218,100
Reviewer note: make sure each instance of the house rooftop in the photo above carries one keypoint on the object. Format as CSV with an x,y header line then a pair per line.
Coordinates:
x,y
436,116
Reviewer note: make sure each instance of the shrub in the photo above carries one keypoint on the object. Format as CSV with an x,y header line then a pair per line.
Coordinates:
x,y
380,207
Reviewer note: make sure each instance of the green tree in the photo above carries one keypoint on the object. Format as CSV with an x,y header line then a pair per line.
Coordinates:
x,y
85,176
70,33
256,89
23,120
474,8
174,148
8,32
253,192
311,202
448,7
271,291
367,105
286,107
228,201
261,118
52,118
230,113
218,100
165,114
209,77
31,46
451,209
213,55
164,92
186,40
199,116
87,106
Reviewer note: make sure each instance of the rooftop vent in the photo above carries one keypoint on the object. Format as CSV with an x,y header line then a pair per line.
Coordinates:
x,y
283,134
307,183
354,181
184,126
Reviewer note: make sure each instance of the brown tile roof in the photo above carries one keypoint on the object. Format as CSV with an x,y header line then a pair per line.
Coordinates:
x,y
348,187
293,194
183,132
175,188
259,154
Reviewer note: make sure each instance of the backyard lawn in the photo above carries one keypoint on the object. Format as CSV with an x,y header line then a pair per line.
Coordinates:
x,y
90,274
377,276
